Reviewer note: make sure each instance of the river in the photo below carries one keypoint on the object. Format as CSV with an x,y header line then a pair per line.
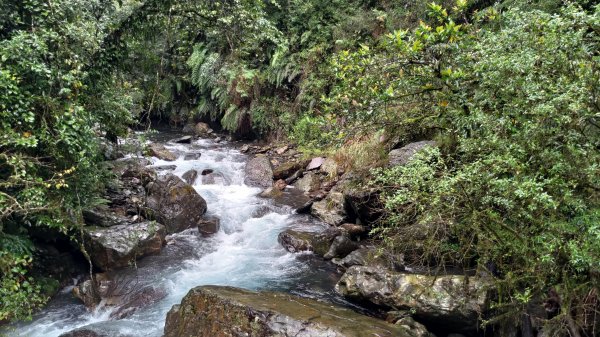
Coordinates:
x,y
244,253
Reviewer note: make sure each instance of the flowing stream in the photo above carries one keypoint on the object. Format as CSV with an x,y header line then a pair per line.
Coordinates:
x,y
244,253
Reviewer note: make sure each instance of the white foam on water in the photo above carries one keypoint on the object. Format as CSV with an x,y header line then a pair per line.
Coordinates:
x,y
244,253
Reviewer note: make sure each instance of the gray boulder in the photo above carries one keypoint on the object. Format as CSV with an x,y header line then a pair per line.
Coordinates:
x,y
331,210
297,241
228,311
174,203
117,246
404,154
259,172
309,183
454,301
190,176
341,246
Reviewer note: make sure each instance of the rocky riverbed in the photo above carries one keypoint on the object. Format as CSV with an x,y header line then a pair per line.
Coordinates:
x,y
195,210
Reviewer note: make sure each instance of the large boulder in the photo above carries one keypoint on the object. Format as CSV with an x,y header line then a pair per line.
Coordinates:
x,y
453,301
309,183
297,241
190,176
341,246
331,210
117,246
228,311
102,216
259,172
161,152
404,154
174,203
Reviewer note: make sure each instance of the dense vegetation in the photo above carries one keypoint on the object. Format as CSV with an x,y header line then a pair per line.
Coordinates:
x,y
510,93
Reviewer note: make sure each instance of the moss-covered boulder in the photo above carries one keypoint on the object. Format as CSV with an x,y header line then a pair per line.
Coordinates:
x,y
117,246
228,311
453,301
259,172
174,203
298,241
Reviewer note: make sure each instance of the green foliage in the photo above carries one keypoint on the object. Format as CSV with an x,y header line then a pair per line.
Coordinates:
x,y
51,113
515,182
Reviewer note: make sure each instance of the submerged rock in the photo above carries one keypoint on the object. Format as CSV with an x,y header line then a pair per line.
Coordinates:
x,y
174,203
83,332
117,246
404,154
259,172
161,152
126,296
454,301
228,311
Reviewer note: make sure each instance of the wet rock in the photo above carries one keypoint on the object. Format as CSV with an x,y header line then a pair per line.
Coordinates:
x,y
192,156
165,167
211,178
209,225
138,299
331,209
204,310
454,301
315,163
202,129
161,152
305,208
182,140
117,246
245,148
125,295
190,176
83,332
341,246
259,172
174,203
297,241
207,172
309,183
261,211
404,154
285,170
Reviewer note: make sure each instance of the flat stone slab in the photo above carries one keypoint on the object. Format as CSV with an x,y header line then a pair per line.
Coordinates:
x,y
229,311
